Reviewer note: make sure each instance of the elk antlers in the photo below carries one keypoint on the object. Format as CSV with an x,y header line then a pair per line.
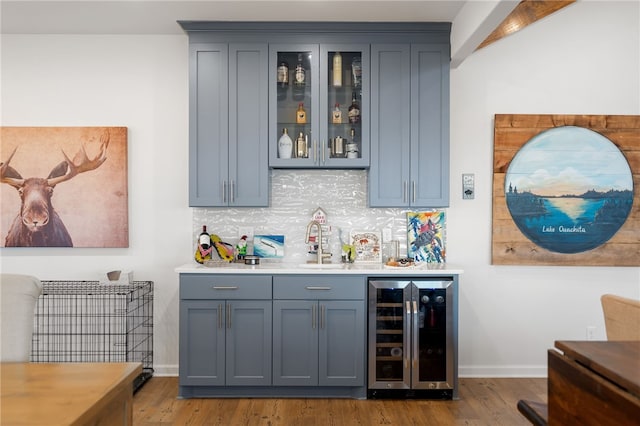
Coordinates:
x,y
81,163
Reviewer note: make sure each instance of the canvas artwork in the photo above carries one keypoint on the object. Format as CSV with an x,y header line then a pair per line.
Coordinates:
x,y
564,190
425,236
64,187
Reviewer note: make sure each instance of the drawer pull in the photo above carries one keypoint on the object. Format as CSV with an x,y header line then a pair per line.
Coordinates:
x,y
225,287
315,287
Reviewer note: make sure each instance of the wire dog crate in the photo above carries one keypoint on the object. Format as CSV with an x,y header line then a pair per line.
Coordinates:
x,y
85,321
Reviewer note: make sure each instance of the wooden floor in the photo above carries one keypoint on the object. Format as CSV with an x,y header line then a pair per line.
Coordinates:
x,y
482,402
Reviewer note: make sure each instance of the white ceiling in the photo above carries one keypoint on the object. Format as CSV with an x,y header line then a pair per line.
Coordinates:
x,y
159,17
472,20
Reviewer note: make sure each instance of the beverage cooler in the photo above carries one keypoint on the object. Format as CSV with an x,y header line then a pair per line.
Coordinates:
x,y
413,338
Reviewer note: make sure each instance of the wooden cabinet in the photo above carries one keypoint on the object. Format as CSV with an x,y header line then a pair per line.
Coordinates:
x,y
319,331
228,121
225,330
410,125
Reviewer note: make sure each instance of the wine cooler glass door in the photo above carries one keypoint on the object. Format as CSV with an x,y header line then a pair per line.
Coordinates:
x,y
389,329
432,336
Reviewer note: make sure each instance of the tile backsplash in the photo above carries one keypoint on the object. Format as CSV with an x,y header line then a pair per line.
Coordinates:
x,y
295,195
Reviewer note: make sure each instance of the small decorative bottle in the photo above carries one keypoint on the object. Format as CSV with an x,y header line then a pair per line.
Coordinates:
x,y
301,114
285,145
336,115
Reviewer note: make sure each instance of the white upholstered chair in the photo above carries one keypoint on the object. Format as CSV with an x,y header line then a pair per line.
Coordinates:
x,y
18,297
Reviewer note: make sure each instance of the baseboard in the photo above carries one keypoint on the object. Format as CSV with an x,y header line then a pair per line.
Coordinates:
x,y
463,371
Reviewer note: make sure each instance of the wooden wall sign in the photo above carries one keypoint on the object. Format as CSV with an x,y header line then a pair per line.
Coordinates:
x,y
565,190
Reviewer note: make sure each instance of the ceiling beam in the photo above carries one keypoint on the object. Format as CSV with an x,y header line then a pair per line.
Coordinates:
x,y
474,23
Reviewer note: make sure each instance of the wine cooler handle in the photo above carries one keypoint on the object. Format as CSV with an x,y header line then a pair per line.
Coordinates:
x,y
408,309
415,308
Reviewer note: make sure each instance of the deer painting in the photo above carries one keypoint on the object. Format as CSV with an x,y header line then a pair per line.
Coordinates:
x,y
37,224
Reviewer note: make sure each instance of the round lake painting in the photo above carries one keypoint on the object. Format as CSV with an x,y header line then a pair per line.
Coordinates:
x,y
569,189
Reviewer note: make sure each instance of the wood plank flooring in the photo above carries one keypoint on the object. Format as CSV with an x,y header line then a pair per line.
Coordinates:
x,y
482,402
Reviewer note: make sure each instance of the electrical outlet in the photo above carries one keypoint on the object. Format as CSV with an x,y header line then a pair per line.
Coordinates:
x,y
468,186
245,230
591,333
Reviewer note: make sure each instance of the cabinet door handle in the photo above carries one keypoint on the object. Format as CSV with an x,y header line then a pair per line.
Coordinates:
x,y
405,197
225,287
220,308
413,191
324,150
232,197
315,151
228,315
224,191
322,316
313,317
317,287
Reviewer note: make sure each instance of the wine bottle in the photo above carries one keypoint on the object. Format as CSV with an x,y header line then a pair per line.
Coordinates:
x,y
301,114
337,70
283,74
336,115
204,239
354,110
285,145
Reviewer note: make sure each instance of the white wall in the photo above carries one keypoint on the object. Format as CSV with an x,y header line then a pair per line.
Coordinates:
x,y
584,59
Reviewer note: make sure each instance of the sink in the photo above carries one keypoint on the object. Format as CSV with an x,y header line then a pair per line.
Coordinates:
x,y
321,265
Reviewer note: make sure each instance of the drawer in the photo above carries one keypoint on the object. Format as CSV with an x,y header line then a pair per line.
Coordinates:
x,y
225,286
319,287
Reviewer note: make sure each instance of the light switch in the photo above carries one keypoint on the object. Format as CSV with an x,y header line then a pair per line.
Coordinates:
x,y
468,186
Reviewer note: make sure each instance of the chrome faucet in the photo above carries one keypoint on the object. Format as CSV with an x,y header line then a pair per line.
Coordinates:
x,y
320,250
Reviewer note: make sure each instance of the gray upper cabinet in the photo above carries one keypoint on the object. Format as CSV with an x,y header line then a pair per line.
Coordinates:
x,y
228,122
239,106
410,125
321,139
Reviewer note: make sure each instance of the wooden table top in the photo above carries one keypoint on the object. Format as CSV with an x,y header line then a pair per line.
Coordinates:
x,y
617,361
59,393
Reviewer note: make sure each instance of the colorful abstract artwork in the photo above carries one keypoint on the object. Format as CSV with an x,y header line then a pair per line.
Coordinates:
x,y
425,236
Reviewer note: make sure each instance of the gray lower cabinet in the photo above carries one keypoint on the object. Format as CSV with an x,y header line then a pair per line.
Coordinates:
x,y
225,331
410,125
228,125
319,331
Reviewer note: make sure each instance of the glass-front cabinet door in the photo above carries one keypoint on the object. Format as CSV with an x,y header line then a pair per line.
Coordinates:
x,y
319,98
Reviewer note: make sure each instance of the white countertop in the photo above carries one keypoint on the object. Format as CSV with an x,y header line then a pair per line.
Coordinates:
x,y
335,268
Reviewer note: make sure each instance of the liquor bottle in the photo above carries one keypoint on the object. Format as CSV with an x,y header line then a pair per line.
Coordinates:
x,y
204,239
337,70
301,114
285,145
299,77
354,110
302,150
336,115
283,74
356,72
